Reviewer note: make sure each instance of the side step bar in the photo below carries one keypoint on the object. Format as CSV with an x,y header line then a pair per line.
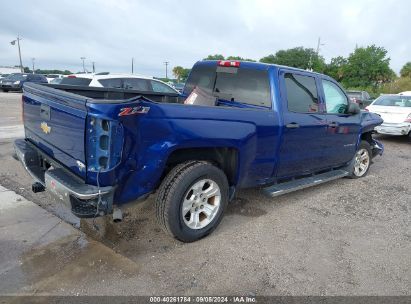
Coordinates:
x,y
294,185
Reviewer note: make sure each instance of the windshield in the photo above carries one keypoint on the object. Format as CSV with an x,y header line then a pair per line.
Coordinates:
x,y
15,77
393,101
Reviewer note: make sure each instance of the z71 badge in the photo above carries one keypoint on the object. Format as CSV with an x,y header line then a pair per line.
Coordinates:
x,y
44,126
133,110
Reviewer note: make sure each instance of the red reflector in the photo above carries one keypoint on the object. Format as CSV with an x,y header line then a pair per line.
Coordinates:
x,y
71,76
227,63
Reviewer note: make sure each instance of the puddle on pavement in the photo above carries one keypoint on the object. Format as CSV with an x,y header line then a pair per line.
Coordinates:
x,y
72,260
242,206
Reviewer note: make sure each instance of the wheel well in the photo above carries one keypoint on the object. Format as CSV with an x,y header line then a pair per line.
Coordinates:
x,y
367,136
224,158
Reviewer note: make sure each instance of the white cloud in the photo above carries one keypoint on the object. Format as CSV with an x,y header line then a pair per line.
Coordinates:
x,y
58,33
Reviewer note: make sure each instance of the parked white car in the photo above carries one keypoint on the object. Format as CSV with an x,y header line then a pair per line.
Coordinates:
x,y
50,77
406,93
120,81
395,110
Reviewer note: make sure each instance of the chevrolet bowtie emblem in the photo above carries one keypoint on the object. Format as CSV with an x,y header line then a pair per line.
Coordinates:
x,y
44,126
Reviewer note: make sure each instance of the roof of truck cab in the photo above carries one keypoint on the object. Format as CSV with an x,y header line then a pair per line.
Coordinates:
x,y
260,66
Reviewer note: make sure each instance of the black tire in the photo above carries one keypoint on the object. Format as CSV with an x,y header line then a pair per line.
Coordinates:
x,y
365,146
174,188
5,91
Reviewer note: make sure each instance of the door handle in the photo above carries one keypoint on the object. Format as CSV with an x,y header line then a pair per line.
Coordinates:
x,y
292,125
333,124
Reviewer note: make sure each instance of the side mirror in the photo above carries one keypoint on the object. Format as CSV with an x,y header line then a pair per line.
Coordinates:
x,y
353,108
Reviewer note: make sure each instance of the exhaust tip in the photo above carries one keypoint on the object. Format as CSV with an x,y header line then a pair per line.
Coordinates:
x,y
117,215
37,187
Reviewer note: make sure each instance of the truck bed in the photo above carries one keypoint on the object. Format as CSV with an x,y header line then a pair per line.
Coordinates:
x,y
100,95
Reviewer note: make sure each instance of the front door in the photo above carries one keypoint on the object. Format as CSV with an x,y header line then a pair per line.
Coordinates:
x,y
304,126
342,128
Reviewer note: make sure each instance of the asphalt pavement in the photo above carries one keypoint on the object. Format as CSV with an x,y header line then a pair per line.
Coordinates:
x,y
346,237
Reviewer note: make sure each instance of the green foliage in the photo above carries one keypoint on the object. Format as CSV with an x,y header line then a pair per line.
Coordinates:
x,y
298,57
336,68
181,73
367,66
38,71
239,58
215,57
398,85
406,70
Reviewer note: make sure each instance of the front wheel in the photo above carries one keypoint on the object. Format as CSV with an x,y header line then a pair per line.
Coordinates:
x,y
362,161
191,200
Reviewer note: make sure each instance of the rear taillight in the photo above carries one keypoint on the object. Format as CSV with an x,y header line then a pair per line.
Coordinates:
x,y
366,109
228,63
408,119
71,76
104,144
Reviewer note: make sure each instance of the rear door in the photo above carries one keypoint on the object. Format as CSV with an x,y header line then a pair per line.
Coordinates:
x,y
304,126
342,128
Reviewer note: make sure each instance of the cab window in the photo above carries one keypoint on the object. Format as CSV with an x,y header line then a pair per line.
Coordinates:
x,y
302,96
335,99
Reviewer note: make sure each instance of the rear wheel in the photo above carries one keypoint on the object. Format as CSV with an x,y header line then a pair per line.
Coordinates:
x,y
361,161
191,200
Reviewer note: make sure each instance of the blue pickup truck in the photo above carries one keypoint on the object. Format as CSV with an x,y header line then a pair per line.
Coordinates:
x,y
235,125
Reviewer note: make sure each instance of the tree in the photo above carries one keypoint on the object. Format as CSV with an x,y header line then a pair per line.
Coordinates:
x,y
367,66
181,73
336,68
215,57
298,57
406,70
239,58
178,72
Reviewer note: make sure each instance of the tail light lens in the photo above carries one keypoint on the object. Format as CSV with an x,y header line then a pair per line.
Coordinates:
x,y
366,109
408,119
104,144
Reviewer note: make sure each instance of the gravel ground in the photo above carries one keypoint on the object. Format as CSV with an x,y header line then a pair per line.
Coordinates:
x,y
346,237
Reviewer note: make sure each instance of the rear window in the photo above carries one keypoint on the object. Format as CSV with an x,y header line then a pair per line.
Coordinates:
x,y
78,81
202,76
242,85
159,87
393,101
136,84
114,83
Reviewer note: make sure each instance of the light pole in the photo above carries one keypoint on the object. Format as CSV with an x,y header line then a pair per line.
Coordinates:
x,y
132,65
18,44
84,67
32,62
94,67
166,64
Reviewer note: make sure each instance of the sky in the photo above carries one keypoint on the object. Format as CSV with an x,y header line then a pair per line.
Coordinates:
x,y
111,32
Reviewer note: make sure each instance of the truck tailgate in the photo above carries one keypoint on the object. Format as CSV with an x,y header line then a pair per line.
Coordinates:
x,y
55,122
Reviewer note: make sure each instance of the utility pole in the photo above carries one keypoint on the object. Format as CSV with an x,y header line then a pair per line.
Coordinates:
x,y
32,61
94,67
132,65
18,45
84,67
166,64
